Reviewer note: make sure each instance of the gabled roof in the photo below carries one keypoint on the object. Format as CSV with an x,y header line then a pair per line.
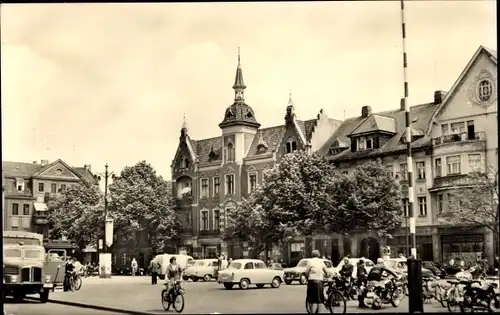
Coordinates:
x,y
203,148
46,167
271,136
490,53
20,169
375,122
422,112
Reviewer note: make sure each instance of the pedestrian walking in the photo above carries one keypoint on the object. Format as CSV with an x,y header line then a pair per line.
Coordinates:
x,y
154,266
224,263
133,264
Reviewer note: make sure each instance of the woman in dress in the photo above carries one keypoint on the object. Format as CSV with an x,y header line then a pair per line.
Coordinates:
x,y
316,272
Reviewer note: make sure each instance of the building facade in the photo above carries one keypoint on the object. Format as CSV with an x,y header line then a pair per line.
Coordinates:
x,y
451,136
210,176
27,186
454,135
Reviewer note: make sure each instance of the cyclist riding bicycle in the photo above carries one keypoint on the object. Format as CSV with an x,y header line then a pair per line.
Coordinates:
x,y
172,275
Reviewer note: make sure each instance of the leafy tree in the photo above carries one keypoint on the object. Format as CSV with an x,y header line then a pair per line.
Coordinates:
x,y
368,198
77,214
477,206
142,207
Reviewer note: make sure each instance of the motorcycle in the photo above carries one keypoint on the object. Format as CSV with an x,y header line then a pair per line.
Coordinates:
x,y
431,289
348,288
378,293
479,295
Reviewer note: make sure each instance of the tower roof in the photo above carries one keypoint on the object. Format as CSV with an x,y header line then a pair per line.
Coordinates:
x,y
239,113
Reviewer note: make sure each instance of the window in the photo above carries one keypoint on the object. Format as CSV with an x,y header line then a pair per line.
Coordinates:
x,y
453,164
445,130
124,259
216,219
420,170
403,171
15,209
485,90
458,128
252,182
230,184
422,206
260,265
185,163
440,205
216,185
471,132
474,162
20,185
406,206
26,209
296,247
41,187
361,143
63,187
439,169
53,188
204,187
369,142
204,220
249,265
230,153
291,146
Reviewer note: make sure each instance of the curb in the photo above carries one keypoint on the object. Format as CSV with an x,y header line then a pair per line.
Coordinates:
x,y
96,307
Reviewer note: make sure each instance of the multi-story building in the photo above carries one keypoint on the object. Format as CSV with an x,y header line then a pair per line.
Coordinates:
x,y
451,136
27,187
212,175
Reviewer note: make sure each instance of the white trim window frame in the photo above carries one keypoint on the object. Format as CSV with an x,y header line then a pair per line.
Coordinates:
x,y
229,190
214,179
422,206
249,181
290,145
420,166
453,165
215,218
204,193
202,221
475,161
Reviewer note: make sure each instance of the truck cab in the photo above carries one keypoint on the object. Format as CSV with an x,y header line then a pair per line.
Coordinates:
x,y
27,269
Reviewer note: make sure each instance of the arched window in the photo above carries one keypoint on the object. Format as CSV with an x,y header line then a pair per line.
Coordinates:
x,y
230,152
291,146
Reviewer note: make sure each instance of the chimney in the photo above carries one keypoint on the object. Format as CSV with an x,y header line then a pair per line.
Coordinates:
x,y
44,162
366,111
87,167
402,104
439,97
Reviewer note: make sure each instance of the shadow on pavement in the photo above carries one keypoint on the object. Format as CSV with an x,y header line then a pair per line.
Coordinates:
x,y
94,307
28,300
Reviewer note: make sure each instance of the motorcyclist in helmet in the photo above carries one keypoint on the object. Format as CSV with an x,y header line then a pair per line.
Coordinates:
x,y
378,272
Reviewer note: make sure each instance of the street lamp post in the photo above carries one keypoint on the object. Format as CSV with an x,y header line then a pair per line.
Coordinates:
x,y
104,256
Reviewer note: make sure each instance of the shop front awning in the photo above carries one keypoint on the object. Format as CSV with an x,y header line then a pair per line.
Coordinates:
x,y
40,206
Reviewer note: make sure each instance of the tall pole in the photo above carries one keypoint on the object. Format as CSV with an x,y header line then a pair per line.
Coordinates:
x,y
106,175
409,163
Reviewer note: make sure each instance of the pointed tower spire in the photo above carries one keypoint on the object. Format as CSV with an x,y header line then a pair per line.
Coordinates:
x,y
290,114
290,102
239,86
184,129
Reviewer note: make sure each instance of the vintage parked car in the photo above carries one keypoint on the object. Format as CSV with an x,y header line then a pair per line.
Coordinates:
x,y
245,272
27,268
438,272
399,265
354,262
276,266
201,269
298,273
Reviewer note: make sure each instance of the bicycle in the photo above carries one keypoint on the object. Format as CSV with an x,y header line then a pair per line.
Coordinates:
x,y
75,282
453,296
334,299
176,295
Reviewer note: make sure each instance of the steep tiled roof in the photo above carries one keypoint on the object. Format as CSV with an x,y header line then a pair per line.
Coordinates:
x,y
203,148
376,122
20,169
85,173
422,112
272,136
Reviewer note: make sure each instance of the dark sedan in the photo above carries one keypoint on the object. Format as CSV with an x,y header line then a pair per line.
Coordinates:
x,y
436,271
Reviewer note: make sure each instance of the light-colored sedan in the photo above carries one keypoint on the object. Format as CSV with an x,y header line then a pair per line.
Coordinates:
x,y
245,272
201,269
298,273
354,262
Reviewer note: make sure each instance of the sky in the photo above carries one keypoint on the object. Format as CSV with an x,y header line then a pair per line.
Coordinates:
x,y
110,83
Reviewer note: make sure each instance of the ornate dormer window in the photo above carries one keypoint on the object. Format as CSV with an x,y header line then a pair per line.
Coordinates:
x,y
290,146
185,163
261,145
229,114
213,155
415,135
337,147
373,132
20,185
249,115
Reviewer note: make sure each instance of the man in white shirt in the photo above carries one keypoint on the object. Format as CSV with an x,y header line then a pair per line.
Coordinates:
x,y
77,266
223,263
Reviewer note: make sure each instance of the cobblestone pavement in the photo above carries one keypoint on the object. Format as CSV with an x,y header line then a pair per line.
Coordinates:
x,y
140,297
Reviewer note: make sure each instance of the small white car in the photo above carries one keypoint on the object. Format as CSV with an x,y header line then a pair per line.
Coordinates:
x,y
201,269
245,272
298,273
354,262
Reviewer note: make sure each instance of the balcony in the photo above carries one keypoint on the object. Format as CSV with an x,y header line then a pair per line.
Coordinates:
x,y
478,136
213,233
451,181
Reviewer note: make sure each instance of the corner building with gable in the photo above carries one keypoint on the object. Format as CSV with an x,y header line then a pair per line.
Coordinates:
x,y
212,175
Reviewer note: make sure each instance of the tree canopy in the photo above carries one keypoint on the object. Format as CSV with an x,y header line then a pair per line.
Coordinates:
x,y
142,207
367,198
77,214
